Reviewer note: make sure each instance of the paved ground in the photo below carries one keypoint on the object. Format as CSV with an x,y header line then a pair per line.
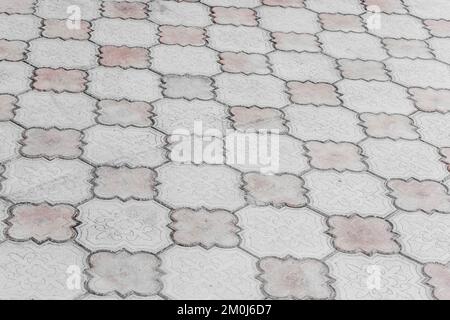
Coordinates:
x,y
119,178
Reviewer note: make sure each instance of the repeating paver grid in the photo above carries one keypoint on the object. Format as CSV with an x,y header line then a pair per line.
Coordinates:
x,y
94,204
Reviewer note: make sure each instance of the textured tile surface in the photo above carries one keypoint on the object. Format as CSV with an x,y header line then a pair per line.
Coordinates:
x,y
224,149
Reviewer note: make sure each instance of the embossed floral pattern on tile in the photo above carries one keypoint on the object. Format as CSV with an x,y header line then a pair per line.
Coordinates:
x,y
48,9
173,114
245,63
32,271
402,278
19,27
174,13
124,57
285,3
446,153
394,126
238,38
257,118
251,90
397,26
298,20
438,28
375,96
304,66
65,54
365,70
339,156
408,48
430,100
17,6
60,80
297,42
388,6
